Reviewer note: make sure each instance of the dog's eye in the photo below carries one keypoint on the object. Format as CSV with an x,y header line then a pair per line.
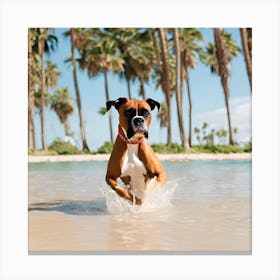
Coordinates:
x,y
145,113
130,112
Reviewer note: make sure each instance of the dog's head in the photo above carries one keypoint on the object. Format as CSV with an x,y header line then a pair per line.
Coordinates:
x,y
134,115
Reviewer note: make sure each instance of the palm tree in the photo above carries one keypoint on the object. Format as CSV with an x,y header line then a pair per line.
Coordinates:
x,y
162,115
42,101
189,42
124,38
102,56
135,46
62,105
143,55
129,75
51,74
223,64
224,135
45,43
78,39
31,62
235,131
40,41
165,79
179,100
204,127
218,57
245,34
197,131
219,135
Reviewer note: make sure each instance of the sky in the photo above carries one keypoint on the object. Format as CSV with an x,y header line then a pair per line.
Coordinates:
x,y
206,90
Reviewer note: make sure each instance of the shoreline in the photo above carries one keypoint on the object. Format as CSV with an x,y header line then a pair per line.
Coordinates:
x,y
170,157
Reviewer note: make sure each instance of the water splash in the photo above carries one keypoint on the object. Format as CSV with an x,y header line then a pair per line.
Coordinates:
x,y
160,197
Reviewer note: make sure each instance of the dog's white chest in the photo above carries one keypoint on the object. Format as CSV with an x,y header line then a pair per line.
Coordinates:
x,y
134,167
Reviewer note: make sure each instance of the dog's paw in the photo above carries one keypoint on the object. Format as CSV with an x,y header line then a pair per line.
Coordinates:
x,y
127,195
138,201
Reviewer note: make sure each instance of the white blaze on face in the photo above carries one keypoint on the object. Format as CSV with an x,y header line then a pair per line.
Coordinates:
x,y
140,118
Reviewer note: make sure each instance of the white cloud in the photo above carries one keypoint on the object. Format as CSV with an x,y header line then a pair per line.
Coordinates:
x,y
241,116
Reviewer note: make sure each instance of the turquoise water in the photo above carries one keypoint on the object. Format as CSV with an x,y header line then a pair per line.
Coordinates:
x,y
197,180
209,205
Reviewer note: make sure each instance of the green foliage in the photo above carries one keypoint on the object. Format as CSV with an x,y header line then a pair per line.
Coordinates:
x,y
207,136
220,149
248,148
102,111
33,152
209,57
106,148
59,147
133,53
61,104
63,148
165,149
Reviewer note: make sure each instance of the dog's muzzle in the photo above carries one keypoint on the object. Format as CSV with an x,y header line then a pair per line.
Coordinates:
x,y
139,125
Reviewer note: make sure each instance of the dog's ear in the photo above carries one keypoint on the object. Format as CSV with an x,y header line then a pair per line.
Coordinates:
x,y
116,103
153,103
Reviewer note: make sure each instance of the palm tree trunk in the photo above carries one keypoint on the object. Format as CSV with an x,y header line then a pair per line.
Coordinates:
x,y
142,88
128,87
166,81
224,74
33,131
67,128
247,57
190,107
231,141
184,141
42,105
82,128
110,112
155,44
29,89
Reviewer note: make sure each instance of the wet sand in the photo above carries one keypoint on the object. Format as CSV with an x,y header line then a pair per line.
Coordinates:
x,y
210,229
171,157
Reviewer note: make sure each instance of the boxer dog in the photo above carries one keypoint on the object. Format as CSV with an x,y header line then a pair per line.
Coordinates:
x,y
132,159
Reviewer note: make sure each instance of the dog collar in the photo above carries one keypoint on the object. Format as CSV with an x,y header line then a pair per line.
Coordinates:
x,y
126,141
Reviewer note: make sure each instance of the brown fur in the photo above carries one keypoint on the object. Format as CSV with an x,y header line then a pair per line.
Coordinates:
x,y
145,154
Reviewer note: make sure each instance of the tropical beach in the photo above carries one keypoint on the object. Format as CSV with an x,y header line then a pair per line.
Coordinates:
x,y
80,69
195,87
216,134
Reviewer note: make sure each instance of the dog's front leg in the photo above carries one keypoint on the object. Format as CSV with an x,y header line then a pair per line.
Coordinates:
x,y
152,164
112,182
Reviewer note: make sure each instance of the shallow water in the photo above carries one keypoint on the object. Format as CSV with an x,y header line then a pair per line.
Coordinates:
x,y
205,207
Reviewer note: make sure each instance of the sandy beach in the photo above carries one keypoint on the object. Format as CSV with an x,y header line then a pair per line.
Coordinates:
x,y
214,228
171,157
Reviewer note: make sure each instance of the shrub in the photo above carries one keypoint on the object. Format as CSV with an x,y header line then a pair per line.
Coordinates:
x,y
248,148
33,152
165,149
220,149
63,148
106,148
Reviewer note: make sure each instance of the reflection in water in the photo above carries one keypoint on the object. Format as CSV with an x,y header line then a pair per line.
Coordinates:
x,y
96,207
205,207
